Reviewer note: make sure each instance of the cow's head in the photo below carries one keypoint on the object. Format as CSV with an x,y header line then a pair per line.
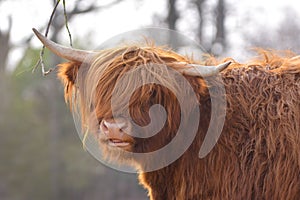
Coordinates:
x,y
115,91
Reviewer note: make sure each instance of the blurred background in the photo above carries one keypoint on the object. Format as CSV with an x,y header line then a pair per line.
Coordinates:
x,y
41,155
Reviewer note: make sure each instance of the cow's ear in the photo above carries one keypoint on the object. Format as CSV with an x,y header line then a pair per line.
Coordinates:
x,y
67,73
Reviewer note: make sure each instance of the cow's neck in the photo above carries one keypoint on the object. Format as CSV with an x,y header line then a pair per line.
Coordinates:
x,y
161,184
182,179
173,182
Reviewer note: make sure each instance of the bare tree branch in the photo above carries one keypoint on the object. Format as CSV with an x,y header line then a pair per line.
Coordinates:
x,y
58,24
66,22
93,7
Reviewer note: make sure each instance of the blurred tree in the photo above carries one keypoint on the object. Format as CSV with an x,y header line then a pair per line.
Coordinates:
x,y
220,36
171,20
5,46
5,92
172,14
215,41
200,8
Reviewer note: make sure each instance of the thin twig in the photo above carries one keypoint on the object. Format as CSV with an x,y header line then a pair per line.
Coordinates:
x,y
41,60
66,22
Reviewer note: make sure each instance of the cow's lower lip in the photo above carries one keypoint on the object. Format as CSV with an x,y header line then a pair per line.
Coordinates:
x,y
118,143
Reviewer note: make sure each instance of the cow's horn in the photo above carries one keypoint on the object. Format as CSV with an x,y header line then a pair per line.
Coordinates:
x,y
204,71
62,51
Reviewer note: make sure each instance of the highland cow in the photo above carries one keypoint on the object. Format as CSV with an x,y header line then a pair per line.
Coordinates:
x,y
258,153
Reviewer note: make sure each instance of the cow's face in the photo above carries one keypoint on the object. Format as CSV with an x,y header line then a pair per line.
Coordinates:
x,y
121,131
119,97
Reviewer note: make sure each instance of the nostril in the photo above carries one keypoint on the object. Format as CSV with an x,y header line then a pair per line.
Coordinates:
x,y
104,126
122,127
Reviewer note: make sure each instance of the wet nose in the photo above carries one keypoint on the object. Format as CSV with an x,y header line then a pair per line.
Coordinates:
x,y
112,129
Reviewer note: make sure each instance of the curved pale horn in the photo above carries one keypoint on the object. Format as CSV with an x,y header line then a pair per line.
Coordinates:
x,y
295,58
204,71
62,51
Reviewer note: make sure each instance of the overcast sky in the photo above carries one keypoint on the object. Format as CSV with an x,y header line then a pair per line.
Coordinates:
x,y
132,14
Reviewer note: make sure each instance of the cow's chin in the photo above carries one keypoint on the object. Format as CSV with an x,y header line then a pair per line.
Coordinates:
x,y
117,151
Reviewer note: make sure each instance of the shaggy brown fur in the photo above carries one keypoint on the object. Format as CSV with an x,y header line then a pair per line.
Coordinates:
x,y
258,153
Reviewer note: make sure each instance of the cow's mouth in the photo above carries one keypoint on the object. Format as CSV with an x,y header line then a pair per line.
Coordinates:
x,y
114,142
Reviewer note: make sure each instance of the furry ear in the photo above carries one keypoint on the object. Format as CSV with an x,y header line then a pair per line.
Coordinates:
x,y
67,73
